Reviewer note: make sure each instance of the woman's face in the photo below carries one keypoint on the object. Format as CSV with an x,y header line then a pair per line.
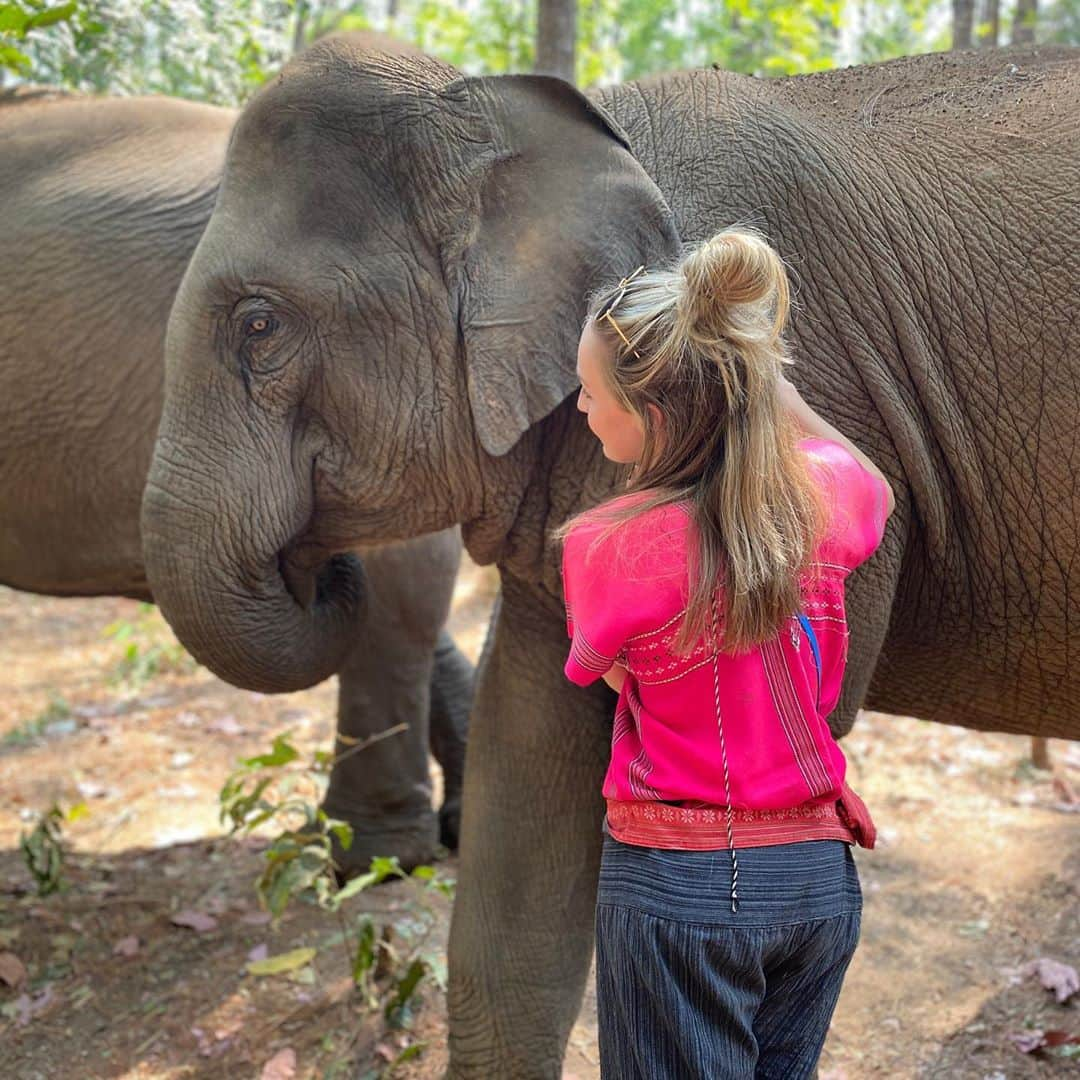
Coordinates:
x,y
621,432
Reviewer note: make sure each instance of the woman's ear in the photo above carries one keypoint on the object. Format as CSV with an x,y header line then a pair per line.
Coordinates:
x,y
560,206
656,418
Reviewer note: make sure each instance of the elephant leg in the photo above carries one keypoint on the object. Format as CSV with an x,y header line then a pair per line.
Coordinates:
x,y
451,699
382,786
521,935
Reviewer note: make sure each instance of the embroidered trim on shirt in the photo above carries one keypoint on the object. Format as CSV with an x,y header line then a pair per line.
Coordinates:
x,y
674,678
658,629
651,824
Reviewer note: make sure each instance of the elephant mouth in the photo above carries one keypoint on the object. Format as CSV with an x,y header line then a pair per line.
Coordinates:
x,y
316,577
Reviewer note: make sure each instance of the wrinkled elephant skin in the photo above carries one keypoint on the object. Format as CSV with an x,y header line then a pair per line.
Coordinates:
x,y
104,203
383,312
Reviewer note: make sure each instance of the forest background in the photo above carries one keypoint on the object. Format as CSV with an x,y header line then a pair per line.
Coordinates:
x,y
220,51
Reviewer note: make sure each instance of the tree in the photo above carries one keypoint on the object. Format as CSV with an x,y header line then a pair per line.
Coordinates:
x,y
1023,32
217,51
900,28
1060,23
963,15
556,35
989,23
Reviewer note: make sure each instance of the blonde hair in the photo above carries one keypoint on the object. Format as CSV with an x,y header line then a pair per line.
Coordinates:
x,y
703,343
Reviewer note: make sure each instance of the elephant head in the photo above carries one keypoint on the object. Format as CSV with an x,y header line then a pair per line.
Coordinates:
x,y
386,298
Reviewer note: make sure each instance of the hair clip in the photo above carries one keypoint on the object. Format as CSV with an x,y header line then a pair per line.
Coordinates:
x,y
605,312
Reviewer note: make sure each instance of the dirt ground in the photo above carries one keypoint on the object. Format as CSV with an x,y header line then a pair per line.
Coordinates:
x,y
977,874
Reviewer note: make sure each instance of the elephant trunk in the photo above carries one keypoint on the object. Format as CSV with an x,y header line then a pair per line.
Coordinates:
x,y
235,575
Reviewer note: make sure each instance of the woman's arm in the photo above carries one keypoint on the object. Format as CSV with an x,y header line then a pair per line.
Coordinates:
x,y
615,677
818,427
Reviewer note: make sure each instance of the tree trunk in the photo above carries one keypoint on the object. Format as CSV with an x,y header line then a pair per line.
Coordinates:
x,y
1024,22
989,24
962,14
556,34
303,13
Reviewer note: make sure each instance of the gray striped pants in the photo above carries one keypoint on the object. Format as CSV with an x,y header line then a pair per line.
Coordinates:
x,y
687,990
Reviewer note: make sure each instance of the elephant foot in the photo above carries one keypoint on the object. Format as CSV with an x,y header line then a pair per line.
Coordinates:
x,y
415,841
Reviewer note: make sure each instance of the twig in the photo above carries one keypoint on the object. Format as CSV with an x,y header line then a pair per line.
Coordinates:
x,y
371,740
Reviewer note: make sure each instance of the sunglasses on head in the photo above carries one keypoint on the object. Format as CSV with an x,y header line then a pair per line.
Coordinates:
x,y
606,309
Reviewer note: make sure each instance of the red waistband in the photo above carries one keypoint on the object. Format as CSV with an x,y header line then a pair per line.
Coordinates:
x,y
705,828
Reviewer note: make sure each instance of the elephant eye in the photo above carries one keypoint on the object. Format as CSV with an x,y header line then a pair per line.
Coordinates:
x,y
258,326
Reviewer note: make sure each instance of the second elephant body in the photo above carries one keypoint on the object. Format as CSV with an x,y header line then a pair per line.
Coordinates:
x,y
104,202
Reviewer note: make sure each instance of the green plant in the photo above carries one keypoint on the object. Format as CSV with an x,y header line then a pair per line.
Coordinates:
x,y
149,648
31,730
43,847
387,963
19,19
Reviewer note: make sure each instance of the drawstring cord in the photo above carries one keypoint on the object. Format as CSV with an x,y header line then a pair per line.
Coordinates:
x,y
723,755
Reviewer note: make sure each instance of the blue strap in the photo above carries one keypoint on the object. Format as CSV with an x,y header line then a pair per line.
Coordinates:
x,y
808,630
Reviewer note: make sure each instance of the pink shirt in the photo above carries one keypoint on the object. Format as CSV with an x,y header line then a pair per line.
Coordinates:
x,y
626,595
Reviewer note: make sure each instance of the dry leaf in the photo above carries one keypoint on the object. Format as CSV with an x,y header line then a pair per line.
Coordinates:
x,y
282,1066
260,952
126,946
286,961
1061,978
256,918
28,1007
12,969
1028,1042
194,920
1060,1038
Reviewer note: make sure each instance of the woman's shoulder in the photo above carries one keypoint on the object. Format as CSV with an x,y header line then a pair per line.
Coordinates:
x,y
632,515
824,453
854,499
627,532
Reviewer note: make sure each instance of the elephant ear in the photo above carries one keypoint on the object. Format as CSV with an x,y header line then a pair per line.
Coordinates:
x,y
559,208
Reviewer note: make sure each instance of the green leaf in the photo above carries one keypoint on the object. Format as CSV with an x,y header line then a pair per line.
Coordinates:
x,y
43,852
405,988
286,961
383,867
364,957
281,753
120,630
52,16
352,887
344,833
13,21
409,1052
288,875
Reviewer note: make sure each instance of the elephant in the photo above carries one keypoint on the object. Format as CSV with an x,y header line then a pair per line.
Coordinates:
x,y
380,323
105,201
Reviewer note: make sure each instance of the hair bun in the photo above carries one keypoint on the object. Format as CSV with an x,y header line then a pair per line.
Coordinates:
x,y
735,286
